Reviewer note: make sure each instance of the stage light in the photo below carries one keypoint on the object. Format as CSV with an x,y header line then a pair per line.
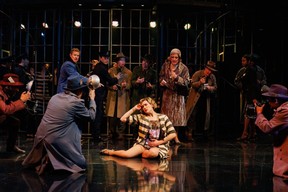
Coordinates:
x,y
187,26
115,23
45,25
77,24
153,24
22,27
153,18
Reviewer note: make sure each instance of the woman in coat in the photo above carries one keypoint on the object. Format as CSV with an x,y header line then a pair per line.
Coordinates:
x,y
174,74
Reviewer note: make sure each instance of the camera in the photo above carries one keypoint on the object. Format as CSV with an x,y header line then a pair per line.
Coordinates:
x,y
205,86
260,103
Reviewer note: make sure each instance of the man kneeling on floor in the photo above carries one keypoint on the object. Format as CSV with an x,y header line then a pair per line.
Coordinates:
x,y
57,143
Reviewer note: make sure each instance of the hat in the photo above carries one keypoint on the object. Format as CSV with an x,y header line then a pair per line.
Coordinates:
x,y
175,50
22,56
211,65
149,58
104,54
120,56
11,79
94,62
75,82
277,91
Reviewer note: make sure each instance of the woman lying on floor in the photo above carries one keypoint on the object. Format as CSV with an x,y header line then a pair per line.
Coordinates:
x,y
154,133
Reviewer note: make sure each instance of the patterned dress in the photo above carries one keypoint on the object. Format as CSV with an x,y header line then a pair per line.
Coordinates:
x,y
173,104
145,125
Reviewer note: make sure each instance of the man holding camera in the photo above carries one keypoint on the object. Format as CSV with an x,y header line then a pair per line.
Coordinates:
x,y
9,87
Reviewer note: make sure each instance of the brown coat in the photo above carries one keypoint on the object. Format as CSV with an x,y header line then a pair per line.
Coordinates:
x,y
122,94
173,104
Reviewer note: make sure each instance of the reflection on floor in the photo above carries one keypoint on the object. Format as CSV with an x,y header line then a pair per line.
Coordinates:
x,y
202,165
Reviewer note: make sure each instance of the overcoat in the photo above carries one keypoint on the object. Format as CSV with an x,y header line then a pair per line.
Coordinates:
x,y
58,134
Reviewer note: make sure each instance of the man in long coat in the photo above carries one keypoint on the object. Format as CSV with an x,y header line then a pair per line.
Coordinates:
x,y
58,138
118,98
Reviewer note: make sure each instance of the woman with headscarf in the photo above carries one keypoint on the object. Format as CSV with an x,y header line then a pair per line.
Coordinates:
x,y
173,75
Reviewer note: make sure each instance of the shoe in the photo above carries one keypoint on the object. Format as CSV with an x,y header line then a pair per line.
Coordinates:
x,y
244,137
105,151
16,149
178,143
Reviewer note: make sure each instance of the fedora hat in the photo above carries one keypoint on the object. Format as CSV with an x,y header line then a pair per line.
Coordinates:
x,y
120,56
104,54
22,56
11,79
211,65
277,91
149,58
75,82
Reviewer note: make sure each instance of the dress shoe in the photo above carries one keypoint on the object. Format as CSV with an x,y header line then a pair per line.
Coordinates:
x,y
16,149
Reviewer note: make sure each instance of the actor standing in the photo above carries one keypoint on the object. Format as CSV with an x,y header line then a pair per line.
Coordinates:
x,y
101,70
69,68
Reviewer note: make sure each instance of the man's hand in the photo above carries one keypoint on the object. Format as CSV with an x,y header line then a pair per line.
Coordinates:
x,y
25,96
91,94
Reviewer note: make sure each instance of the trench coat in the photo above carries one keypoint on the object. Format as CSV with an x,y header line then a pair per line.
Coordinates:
x,y
120,96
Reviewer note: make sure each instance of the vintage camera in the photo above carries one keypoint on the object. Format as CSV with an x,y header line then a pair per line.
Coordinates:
x,y
205,86
94,82
260,103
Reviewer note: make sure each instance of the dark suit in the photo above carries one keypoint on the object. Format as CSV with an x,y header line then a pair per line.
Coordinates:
x,y
101,70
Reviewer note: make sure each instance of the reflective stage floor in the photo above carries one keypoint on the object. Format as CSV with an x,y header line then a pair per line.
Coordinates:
x,y
203,165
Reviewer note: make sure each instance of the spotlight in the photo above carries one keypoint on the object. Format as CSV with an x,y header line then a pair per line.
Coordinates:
x,y
45,25
153,24
115,23
22,27
77,24
187,26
